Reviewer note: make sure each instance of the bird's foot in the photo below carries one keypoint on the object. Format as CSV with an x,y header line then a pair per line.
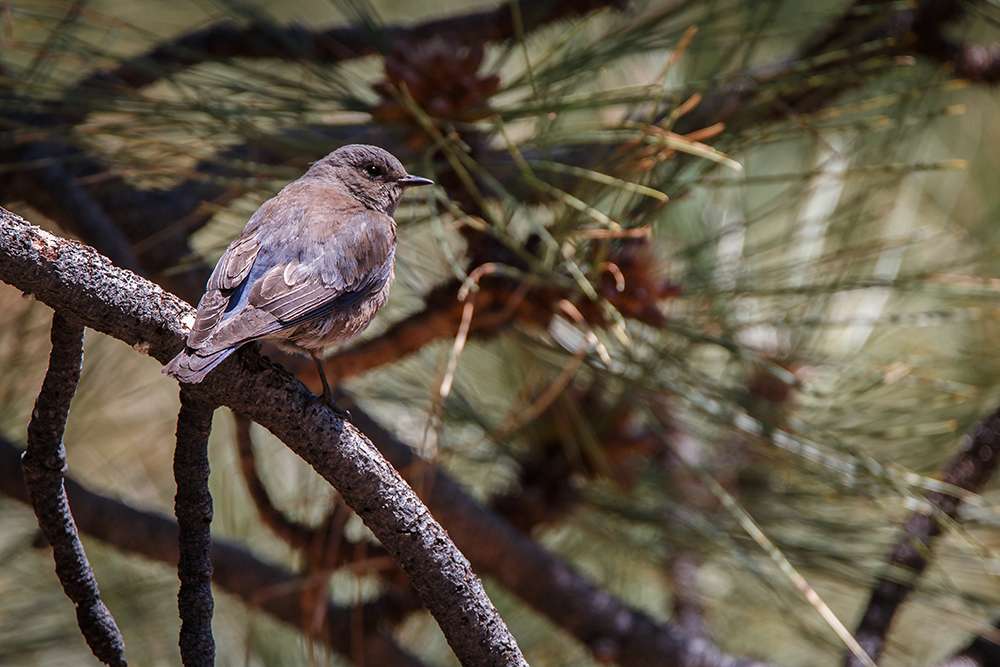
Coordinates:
x,y
331,402
327,394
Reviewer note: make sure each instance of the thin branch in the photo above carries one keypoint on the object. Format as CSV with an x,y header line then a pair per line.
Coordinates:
x,y
438,320
973,62
71,277
259,584
688,610
259,39
324,545
44,463
980,652
968,470
88,217
497,303
74,278
193,508
293,533
859,36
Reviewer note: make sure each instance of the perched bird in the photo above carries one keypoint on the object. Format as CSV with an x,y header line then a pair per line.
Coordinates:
x,y
310,269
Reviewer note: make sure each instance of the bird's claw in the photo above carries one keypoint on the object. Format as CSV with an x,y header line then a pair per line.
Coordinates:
x,y
343,413
331,402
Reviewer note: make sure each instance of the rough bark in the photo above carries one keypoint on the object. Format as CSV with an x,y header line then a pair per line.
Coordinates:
x,y
44,464
257,583
74,278
193,508
613,631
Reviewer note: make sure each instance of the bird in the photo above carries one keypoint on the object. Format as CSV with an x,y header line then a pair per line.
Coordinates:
x,y
311,267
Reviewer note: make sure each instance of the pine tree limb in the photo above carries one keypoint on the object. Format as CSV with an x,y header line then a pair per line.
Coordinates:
x,y
609,628
324,546
44,464
193,508
968,470
74,278
980,652
260,585
259,39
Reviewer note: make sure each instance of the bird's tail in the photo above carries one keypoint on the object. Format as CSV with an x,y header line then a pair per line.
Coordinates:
x,y
192,366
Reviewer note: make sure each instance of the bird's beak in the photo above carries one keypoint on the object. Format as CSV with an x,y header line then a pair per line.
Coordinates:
x,y
409,181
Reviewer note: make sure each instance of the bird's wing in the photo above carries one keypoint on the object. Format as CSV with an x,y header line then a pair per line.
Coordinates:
x,y
323,273
231,271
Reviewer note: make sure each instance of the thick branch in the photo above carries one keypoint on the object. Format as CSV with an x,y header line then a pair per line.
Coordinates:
x,y
74,278
71,277
225,41
44,464
260,585
969,470
193,508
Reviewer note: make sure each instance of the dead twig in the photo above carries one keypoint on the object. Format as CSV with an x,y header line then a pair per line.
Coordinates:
x,y
193,507
44,463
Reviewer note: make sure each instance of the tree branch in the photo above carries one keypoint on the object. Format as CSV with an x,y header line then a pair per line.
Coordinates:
x,y
260,39
968,470
289,531
613,631
74,278
860,35
500,302
323,545
259,584
977,63
193,508
44,463
980,652
76,203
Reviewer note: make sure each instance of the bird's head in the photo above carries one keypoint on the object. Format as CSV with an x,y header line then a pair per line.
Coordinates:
x,y
370,174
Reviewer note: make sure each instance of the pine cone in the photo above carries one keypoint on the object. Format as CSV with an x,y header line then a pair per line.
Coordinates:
x,y
442,79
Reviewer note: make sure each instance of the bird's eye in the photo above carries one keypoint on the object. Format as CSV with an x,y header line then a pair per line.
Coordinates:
x,y
373,170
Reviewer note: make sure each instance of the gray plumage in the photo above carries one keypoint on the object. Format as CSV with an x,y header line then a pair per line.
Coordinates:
x,y
310,269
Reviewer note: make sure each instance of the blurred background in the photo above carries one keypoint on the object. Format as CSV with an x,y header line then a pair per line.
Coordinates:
x,y
739,303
